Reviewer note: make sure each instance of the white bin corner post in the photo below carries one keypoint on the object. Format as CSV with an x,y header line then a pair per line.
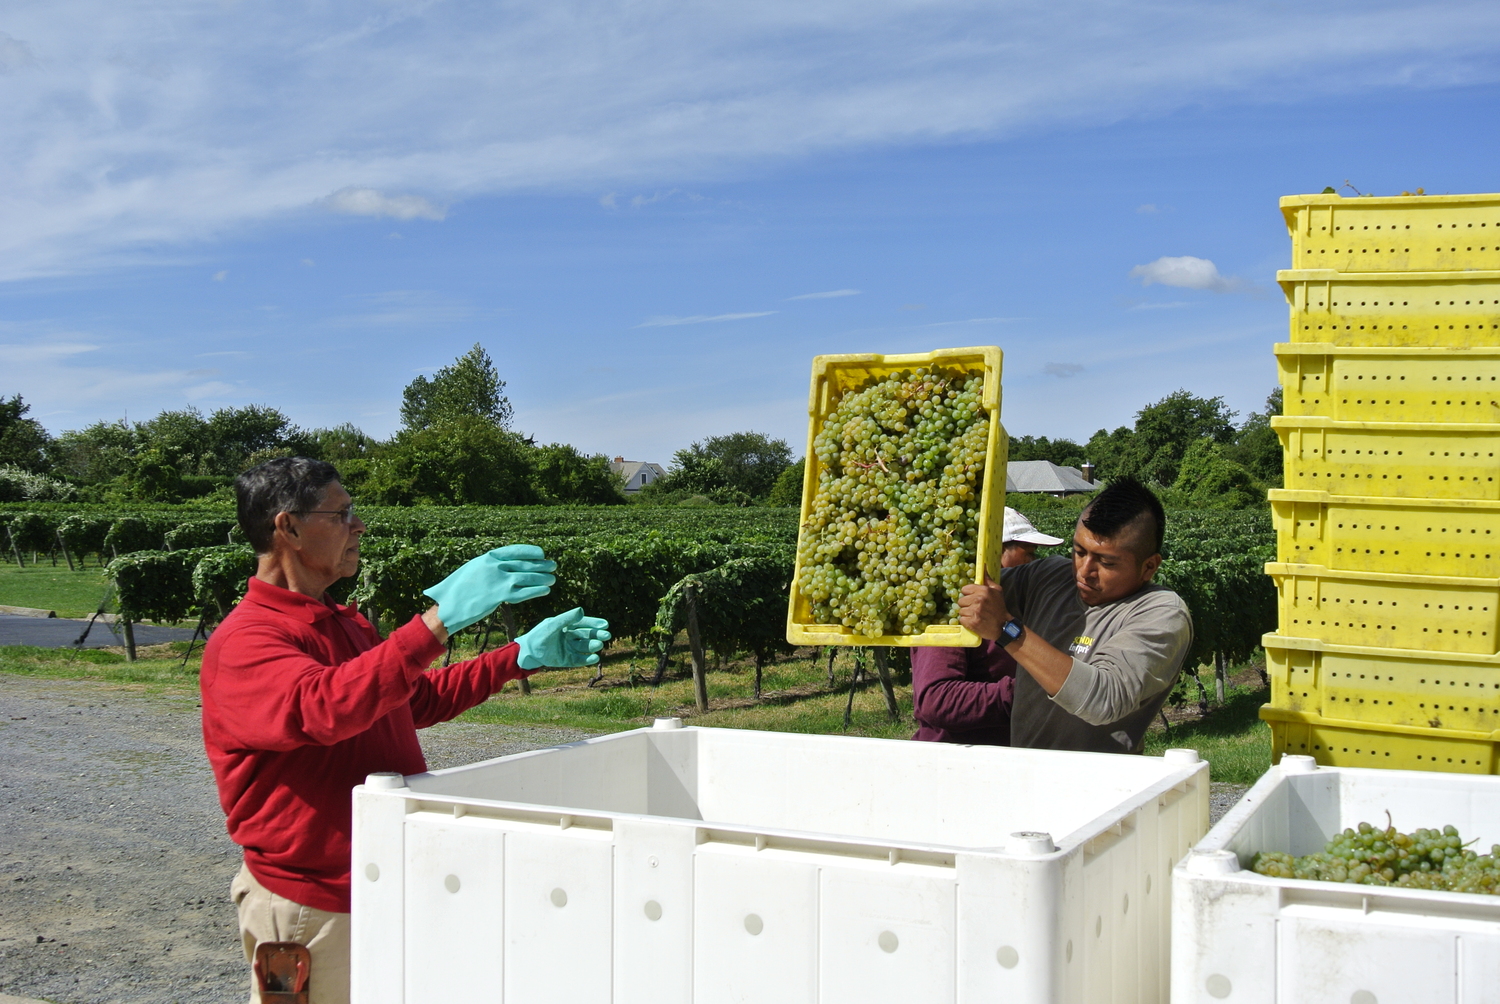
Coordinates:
x,y
378,859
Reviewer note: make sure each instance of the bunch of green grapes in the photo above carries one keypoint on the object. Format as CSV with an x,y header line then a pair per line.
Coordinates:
x,y
891,536
1423,859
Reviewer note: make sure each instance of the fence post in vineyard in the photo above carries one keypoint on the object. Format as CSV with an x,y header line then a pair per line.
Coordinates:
x,y
14,549
508,618
883,670
1220,673
129,641
64,545
695,645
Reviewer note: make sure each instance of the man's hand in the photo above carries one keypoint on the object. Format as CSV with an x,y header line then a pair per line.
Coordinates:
x,y
510,574
982,610
569,639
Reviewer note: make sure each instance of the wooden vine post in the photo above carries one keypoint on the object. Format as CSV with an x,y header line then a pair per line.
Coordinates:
x,y
129,640
695,645
508,618
883,670
64,545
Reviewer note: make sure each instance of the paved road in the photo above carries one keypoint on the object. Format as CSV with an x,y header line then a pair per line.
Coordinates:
x,y
61,632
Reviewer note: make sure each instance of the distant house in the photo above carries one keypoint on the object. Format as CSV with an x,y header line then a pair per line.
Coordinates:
x,y
1046,478
637,473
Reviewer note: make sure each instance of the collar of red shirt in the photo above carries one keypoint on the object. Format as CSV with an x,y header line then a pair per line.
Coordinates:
x,y
303,608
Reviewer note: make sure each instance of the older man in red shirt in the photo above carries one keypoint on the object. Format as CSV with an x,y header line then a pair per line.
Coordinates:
x,y
302,699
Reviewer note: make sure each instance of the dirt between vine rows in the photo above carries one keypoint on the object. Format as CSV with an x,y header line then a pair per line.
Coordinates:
x,y
114,863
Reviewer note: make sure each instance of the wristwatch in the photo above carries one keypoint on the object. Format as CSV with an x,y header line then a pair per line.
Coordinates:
x,y
1011,631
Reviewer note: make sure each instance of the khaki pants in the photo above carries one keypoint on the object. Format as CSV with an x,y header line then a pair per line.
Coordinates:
x,y
265,916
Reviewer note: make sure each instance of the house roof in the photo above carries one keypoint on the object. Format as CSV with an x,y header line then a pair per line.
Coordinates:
x,y
628,469
1044,476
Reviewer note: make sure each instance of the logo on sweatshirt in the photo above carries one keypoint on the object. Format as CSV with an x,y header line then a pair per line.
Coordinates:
x,y
1081,647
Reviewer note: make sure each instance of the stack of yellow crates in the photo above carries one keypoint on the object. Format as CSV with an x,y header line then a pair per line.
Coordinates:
x,y
1388,529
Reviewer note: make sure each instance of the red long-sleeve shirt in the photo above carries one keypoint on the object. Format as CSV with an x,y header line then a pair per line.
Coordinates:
x,y
301,700
963,695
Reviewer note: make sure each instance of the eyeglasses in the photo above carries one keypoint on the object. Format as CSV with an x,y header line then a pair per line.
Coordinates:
x,y
345,515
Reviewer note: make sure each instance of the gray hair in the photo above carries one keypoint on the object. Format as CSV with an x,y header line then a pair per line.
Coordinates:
x,y
286,484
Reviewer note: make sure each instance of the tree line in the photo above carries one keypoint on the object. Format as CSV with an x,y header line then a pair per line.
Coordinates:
x,y
457,446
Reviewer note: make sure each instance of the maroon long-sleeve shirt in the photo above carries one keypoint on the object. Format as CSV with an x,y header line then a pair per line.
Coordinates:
x,y
963,695
301,700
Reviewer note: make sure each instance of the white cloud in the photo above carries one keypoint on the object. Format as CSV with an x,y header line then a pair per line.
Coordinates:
x,y
976,320
1147,209
607,200
1187,272
124,139
831,294
221,275
14,54
1062,370
665,322
369,202
308,262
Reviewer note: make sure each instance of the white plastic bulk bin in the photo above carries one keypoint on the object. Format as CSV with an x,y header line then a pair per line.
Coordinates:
x,y
714,865
1252,939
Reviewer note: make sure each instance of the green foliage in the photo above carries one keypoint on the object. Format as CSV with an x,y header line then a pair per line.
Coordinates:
x,y
199,533
132,533
560,474
84,535
736,469
220,578
469,388
19,485
741,607
30,531
339,445
1062,452
1256,445
23,441
465,461
1164,431
98,453
787,491
1209,479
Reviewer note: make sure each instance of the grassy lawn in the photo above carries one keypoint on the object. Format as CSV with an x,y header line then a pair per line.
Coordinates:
x,y
796,697
71,594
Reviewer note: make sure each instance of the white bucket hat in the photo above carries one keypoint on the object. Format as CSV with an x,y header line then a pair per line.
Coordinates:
x,y
1019,528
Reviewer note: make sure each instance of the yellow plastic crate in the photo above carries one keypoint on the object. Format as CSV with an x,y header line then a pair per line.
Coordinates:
x,y
832,377
1384,686
1405,536
1418,233
1390,459
1405,384
1432,613
1394,308
1395,747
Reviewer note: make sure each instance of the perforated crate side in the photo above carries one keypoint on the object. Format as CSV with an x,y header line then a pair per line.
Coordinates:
x,y
1394,309
1394,233
1390,384
1381,686
1391,747
1404,536
1418,612
1390,459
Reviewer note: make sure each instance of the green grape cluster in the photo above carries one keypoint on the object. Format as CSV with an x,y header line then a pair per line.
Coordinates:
x,y
1424,859
891,536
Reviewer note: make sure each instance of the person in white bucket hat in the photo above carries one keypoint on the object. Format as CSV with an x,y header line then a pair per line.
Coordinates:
x,y
964,695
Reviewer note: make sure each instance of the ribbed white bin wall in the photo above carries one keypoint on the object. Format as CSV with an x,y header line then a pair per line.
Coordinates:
x,y
1250,939
671,865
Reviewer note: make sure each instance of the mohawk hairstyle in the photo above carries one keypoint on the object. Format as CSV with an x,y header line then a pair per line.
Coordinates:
x,y
1119,505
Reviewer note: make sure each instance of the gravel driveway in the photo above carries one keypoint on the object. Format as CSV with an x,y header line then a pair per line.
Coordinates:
x,y
114,863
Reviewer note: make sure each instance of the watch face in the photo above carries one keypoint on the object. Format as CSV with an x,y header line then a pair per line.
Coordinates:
x,y
1011,630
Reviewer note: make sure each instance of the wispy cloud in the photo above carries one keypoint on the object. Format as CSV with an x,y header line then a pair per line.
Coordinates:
x,y
128,126
976,320
1187,272
369,202
829,295
221,275
1173,305
1062,370
121,139
666,322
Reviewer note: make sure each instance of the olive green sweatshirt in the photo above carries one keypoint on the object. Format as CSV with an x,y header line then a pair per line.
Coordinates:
x,y
1126,656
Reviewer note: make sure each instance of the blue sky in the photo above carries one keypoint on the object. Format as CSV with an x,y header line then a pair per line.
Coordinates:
x,y
653,215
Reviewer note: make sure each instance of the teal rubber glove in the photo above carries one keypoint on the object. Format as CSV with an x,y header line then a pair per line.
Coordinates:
x,y
511,574
569,639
